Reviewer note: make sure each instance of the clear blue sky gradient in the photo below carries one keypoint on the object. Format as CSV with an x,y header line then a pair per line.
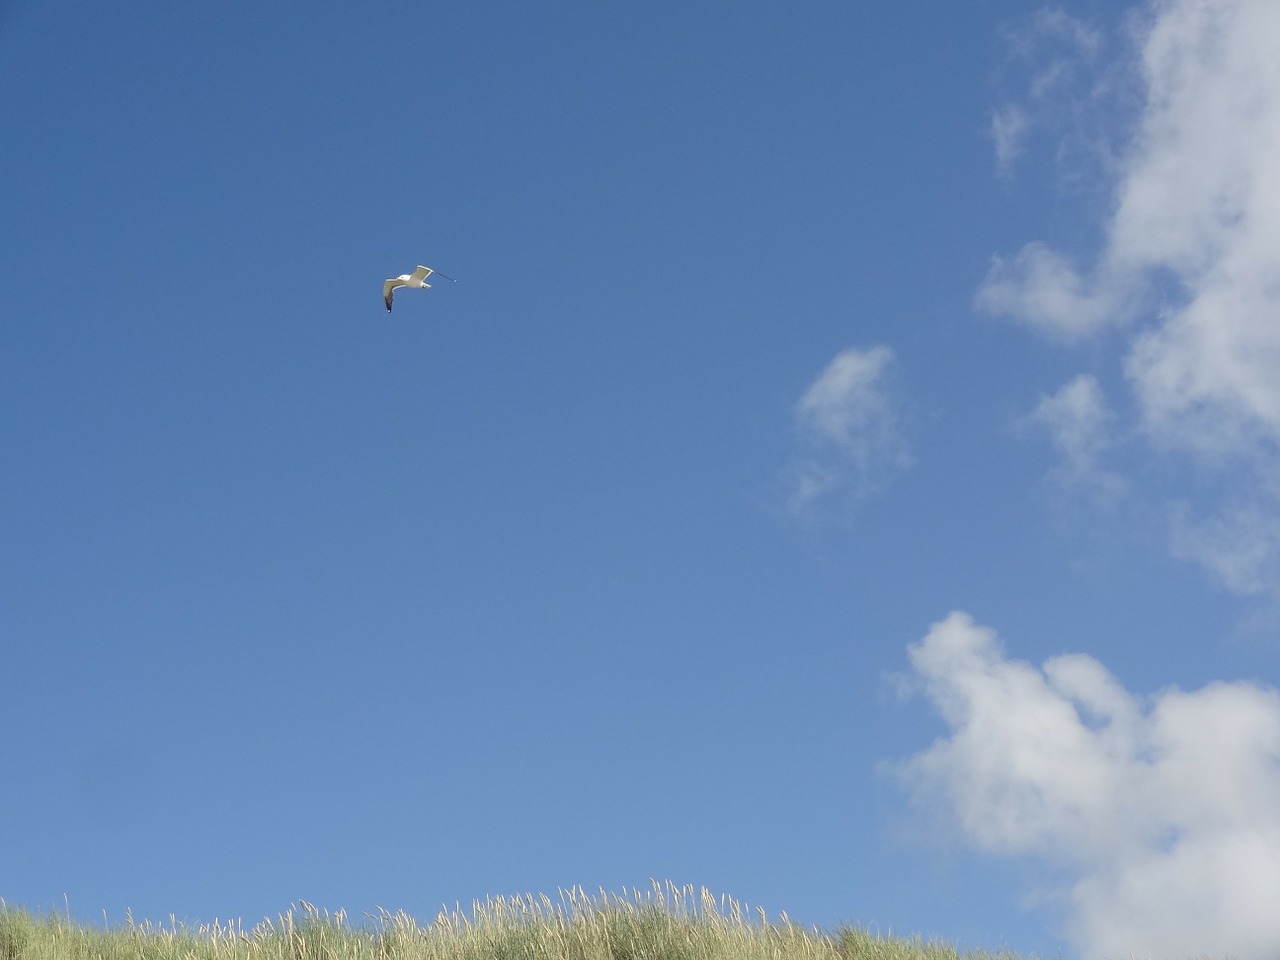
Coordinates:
x,y
498,592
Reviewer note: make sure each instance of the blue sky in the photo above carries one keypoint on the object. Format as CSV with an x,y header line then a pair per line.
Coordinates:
x,y
794,356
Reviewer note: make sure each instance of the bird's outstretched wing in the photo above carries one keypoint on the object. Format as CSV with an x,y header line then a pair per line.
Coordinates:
x,y
389,291
420,274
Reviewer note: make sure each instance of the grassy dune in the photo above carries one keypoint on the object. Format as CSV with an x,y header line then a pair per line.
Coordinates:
x,y
664,923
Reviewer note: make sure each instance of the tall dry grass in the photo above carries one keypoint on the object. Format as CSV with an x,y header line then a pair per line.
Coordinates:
x,y
666,922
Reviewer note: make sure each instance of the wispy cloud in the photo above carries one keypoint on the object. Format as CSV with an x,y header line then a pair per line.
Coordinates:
x,y
1054,50
1079,425
1239,543
1009,127
1044,290
1188,265
849,430
1163,811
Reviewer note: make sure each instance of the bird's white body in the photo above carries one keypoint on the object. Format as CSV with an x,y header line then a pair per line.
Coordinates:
x,y
416,280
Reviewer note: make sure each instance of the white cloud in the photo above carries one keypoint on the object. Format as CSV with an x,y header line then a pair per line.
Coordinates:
x,y
1056,22
1042,289
1056,51
1201,199
850,430
845,405
1189,265
1164,811
1078,423
1009,128
1239,544
1197,202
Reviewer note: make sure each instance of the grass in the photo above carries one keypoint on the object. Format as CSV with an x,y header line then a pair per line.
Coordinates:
x,y
664,923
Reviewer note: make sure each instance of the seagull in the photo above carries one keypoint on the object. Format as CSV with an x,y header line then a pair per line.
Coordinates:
x,y
416,280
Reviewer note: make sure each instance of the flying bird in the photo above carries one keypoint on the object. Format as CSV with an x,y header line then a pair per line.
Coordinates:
x,y
415,281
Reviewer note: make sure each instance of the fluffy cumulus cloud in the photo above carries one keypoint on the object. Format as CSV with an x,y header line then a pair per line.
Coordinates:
x,y
1201,199
850,430
1189,267
1164,811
